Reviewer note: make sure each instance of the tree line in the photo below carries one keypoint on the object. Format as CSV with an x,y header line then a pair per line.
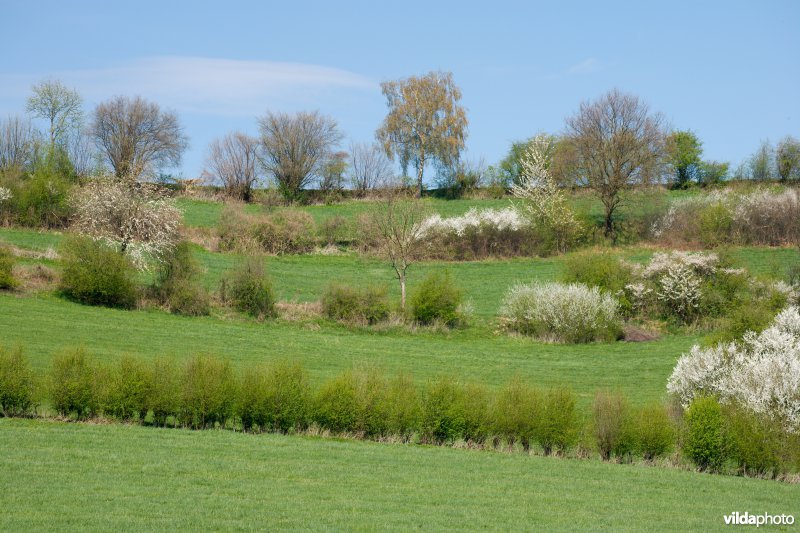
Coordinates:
x,y
607,145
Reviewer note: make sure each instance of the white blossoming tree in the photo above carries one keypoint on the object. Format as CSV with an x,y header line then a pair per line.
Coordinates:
x,y
135,218
542,199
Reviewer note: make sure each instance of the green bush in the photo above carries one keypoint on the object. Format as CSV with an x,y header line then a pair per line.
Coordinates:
x,y
164,395
73,385
17,385
7,280
514,413
127,390
714,221
287,231
365,305
96,275
451,411
603,270
755,443
612,425
557,425
177,284
373,403
250,289
704,440
208,392
655,432
275,398
42,200
404,407
336,404
436,300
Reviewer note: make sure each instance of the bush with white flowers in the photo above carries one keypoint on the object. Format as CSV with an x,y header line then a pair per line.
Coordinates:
x,y
475,219
761,372
557,312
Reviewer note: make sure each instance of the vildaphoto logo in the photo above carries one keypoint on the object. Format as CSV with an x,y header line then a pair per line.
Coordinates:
x,y
747,519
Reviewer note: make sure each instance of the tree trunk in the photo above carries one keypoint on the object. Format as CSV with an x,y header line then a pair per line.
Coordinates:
x,y
403,291
420,169
608,230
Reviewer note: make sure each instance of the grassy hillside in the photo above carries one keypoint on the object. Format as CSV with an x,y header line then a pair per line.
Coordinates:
x,y
85,477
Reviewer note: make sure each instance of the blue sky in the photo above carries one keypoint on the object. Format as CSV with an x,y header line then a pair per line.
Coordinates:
x,y
728,70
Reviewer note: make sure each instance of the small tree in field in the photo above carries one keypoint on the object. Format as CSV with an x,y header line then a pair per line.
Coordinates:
x,y
232,160
135,218
542,198
614,142
398,221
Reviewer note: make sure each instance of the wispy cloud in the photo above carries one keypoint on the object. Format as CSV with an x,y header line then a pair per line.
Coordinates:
x,y
206,85
587,66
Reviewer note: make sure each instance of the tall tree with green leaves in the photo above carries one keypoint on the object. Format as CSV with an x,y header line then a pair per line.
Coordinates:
x,y
425,122
683,150
59,105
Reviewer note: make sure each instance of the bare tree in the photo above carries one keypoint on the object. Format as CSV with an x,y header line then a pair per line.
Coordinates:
x,y
59,105
332,172
137,137
615,142
232,160
398,221
294,148
136,218
16,144
82,153
425,121
369,167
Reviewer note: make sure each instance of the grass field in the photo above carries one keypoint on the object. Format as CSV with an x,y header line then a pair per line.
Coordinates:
x,y
85,477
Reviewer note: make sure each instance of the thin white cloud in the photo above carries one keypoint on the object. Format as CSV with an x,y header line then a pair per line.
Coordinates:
x,y
207,85
587,66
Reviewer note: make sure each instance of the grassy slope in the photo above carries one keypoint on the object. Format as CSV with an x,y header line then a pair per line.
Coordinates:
x,y
83,477
47,324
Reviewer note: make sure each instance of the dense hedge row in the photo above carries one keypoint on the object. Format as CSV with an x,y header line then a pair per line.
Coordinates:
x,y
205,392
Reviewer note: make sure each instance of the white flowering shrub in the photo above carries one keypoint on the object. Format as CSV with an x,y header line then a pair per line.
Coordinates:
x,y
478,234
760,216
474,219
135,218
679,292
761,372
557,312
5,194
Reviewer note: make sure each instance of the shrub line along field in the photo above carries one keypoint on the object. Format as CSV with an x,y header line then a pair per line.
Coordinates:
x,y
65,476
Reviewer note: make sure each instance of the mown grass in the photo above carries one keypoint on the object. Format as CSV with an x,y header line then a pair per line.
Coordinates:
x,y
59,476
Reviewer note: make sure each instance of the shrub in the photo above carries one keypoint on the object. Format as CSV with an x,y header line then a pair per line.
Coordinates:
x,y
336,404
436,300
234,233
17,385
288,231
704,441
275,398
127,390
7,280
208,392
373,403
760,373
96,275
165,391
557,424
561,313
334,229
514,413
365,305
753,442
612,425
602,270
73,388
177,285
250,289
655,433
451,411
403,407
43,200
